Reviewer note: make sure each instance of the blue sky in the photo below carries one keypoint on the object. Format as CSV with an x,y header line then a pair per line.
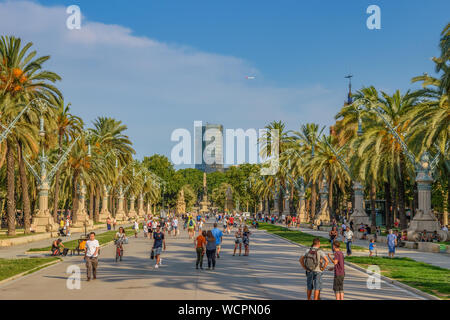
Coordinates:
x,y
179,61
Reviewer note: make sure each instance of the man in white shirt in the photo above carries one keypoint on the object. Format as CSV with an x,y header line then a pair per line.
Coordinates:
x,y
91,256
348,238
175,225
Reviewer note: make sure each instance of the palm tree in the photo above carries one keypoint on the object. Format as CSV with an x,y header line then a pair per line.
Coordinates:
x,y
305,143
21,80
68,126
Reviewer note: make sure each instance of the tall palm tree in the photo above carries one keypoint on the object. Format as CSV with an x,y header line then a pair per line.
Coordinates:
x,y
67,127
21,80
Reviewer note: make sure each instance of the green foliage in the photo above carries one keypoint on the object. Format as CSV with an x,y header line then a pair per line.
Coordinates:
x,y
12,267
420,275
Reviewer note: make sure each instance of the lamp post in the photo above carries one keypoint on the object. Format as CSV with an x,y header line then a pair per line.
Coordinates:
x,y
43,220
359,215
424,219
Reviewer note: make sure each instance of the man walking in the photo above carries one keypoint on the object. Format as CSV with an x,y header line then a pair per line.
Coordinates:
x,y
217,233
348,238
91,256
314,262
158,244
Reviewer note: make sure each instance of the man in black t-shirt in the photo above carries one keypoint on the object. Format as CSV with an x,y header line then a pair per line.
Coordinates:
x,y
158,245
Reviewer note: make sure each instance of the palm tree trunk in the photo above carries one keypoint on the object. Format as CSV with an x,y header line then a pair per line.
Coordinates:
x,y
75,196
395,206
387,196
313,200
373,212
97,204
401,193
330,197
25,196
91,202
57,185
10,194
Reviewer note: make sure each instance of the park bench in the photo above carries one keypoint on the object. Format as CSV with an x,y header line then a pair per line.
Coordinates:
x,y
81,246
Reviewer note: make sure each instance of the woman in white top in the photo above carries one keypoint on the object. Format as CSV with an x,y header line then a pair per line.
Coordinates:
x,y
136,228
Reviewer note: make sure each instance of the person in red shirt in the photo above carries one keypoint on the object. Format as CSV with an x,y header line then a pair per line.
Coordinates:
x,y
231,223
200,248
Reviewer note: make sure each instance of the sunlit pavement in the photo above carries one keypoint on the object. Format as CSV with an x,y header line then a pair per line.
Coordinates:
x,y
272,271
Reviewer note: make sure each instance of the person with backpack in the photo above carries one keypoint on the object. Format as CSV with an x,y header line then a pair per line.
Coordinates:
x,y
191,227
314,262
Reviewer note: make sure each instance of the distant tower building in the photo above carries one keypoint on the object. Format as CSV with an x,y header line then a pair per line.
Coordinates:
x,y
211,134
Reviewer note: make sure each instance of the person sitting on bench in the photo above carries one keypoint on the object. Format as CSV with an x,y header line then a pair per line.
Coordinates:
x,y
56,248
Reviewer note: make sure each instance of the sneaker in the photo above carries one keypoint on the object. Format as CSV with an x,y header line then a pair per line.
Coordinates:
x,y
156,266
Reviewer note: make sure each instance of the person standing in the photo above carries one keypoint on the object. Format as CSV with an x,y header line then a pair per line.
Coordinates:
x,y
158,245
145,228
238,241
211,250
200,247
314,262
246,240
91,256
114,223
191,227
108,223
391,242
217,234
68,226
175,226
348,238
136,228
333,235
339,270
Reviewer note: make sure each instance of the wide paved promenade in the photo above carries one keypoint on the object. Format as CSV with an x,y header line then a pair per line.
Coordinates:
x,y
271,271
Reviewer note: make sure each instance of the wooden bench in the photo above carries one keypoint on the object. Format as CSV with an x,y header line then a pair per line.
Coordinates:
x,y
81,246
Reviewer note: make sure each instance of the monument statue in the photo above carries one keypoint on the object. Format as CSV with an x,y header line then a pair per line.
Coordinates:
x,y
204,204
228,200
181,204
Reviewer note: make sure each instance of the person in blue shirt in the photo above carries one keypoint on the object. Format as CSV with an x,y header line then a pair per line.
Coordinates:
x,y
391,242
217,233
372,247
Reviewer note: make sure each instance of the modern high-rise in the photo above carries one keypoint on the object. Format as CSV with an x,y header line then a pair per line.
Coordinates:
x,y
210,141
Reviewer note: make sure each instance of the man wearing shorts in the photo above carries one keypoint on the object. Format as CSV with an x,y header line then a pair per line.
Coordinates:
x,y
175,226
339,270
314,262
191,227
218,235
158,244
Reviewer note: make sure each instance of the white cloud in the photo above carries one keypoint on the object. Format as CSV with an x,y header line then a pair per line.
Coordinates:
x,y
151,86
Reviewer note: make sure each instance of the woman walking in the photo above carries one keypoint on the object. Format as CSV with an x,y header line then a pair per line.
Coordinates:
x,y
211,250
246,240
238,241
333,236
200,247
